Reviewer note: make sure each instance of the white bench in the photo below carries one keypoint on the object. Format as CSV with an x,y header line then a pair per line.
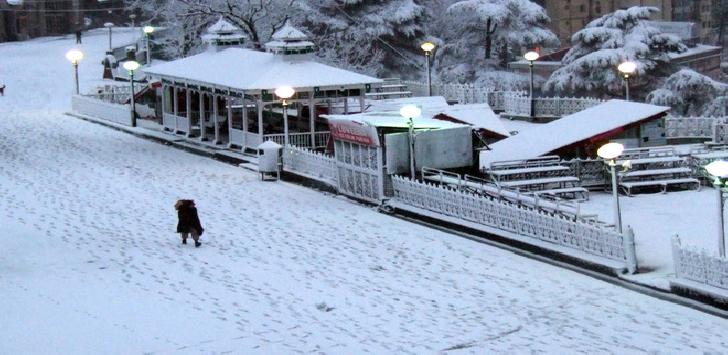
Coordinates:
x,y
535,169
574,191
628,186
654,172
544,181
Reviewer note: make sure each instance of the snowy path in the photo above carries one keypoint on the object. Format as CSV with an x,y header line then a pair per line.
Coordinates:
x,y
89,263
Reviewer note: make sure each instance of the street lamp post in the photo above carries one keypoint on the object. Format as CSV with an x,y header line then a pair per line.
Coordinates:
x,y
719,170
75,56
132,17
627,68
109,25
428,47
285,93
530,57
410,112
148,30
131,66
609,152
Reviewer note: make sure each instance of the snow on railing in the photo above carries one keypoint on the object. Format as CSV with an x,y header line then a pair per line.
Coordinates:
x,y
310,164
591,172
300,139
689,127
577,235
512,103
698,266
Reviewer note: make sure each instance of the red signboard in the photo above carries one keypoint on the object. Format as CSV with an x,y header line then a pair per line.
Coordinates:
x,y
353,131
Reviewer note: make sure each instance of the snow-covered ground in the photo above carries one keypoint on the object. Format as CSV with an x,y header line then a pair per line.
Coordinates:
x,y
90,263
655,218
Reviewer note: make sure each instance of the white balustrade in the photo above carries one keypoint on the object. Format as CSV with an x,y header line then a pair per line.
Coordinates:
x,y
699,266
582,236
300,139
310,164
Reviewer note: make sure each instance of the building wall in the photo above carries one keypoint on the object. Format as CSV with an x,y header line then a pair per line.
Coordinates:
x,y
55,17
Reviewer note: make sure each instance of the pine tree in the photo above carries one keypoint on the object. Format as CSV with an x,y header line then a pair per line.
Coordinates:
x,y
379,37
689,93
590,66
478,28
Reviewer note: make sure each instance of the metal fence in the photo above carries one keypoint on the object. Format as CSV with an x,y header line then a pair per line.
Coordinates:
x,y
698,266
584,237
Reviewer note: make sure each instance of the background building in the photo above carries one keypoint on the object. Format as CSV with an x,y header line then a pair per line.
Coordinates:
x,y
54,17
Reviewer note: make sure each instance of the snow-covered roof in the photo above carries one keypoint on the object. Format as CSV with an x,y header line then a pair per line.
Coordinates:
x,y
480,116
570,129
244,69
393,119
222,26
289,33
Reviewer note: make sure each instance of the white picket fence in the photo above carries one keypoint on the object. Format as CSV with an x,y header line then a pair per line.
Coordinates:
x,y
699,266
689,127
310,164
580,236
720,130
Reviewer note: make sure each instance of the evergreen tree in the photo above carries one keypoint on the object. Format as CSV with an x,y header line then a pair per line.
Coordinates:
x,y
590,67
479,28
689,93
378,37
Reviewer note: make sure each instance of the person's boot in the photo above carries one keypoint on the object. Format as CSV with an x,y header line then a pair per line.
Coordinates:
x,y
197,244
184,241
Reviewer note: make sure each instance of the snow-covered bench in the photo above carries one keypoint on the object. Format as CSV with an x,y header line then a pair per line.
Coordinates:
x,y
663,184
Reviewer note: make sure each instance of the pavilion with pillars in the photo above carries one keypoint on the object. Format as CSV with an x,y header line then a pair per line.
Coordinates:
x,y
226,94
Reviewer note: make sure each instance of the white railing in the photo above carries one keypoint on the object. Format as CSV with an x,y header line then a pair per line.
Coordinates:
x,y
300,139
92,106
720,130
698,266
253,140
310,164
689,127
591,238
237,137
512,103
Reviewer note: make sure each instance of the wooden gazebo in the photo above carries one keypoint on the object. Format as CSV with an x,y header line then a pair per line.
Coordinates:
x,y
226,94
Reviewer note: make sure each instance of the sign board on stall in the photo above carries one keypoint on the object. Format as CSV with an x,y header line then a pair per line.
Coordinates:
x,y
354,132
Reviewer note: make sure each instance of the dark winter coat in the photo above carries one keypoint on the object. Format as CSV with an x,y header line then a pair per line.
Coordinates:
x,y
188,219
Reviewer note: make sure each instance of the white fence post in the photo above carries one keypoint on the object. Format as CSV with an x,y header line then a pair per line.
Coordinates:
x,y
676,255
630,253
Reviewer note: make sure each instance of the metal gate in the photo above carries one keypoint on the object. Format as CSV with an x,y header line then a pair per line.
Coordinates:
x,y
359,169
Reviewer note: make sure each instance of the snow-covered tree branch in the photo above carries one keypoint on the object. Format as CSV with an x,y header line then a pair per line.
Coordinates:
x,y
691,94
590,67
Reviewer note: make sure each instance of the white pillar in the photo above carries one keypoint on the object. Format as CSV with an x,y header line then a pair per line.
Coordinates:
x,y
175,110
201,120
312,120
346,105
285,125
362,101
215,113
245,123
229,101
188,107
259,106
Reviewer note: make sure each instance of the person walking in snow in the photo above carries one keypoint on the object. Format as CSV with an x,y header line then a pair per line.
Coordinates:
x,y
78,36
188,222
